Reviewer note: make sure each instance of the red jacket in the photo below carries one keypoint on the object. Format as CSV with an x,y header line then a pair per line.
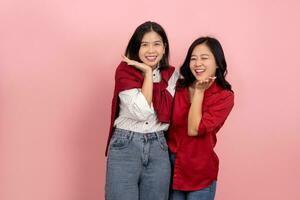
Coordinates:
x,y
196,163
128,77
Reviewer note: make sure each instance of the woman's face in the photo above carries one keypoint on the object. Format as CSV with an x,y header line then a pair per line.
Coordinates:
x,y
152,49
202,62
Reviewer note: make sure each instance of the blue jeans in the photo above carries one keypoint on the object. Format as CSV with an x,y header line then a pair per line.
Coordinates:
x,y
138,166
207,193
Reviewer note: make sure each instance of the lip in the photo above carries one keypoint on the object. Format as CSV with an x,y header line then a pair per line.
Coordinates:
x,y
199,71
151,58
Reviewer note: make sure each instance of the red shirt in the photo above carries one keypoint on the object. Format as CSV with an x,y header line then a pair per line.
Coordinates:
x,y
196,163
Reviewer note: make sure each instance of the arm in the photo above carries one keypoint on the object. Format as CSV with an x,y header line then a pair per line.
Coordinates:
x,y
147,86
195,112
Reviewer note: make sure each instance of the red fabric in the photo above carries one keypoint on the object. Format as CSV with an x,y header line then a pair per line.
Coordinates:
x,y
128,77
196,163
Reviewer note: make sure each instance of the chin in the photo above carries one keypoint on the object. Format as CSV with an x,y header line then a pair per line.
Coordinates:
x,y
203,77
153,66
199,78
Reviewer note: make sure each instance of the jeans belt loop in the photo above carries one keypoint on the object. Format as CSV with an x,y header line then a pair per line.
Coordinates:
x,y
157,136
131,135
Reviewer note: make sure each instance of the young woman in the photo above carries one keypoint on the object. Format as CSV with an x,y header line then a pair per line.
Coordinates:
x,y
138,165
202,102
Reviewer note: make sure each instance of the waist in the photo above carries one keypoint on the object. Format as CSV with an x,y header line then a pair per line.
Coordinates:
x,y
140,126
123,133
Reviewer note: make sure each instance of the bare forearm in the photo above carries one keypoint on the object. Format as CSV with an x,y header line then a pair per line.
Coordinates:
x,y
195,113
147,86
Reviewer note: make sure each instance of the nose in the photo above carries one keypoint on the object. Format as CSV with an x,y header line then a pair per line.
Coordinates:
x,y
198,62
151,48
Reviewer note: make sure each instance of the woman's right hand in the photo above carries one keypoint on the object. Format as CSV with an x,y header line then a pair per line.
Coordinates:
x,y
204,84
141,66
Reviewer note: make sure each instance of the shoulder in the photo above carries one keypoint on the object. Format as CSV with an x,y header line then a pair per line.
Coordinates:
x,y
125,70
179,83
123,66
169,74
218,95
180,90
226,97
171,68
227,94
168,70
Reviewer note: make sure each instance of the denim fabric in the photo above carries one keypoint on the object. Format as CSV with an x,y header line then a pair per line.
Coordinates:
x,y
138,166
207,193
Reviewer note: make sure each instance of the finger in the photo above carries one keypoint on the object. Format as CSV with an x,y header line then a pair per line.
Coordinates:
x,y
198,83
124,58
211,79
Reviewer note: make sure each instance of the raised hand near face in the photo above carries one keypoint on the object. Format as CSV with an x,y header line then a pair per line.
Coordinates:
x,y
204,84
141,66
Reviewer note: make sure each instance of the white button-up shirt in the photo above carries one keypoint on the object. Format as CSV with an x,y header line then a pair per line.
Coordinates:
x,y
136,114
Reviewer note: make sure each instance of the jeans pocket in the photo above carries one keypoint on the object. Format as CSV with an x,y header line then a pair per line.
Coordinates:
x,y
117,143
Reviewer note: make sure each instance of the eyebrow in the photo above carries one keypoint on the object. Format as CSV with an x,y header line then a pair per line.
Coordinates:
x,y
153,42
204,54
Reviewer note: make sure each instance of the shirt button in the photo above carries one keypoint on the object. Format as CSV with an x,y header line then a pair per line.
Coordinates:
x,y
146,122
153,74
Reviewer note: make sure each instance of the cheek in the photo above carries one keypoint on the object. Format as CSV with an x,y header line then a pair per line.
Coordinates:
x,y
191,68
140,53
191,65
212,67
161,52
213,71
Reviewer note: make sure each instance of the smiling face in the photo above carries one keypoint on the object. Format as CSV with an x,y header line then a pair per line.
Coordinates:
x,y
152,49
202,62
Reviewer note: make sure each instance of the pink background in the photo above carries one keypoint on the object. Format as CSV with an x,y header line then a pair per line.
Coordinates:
x,y
57,62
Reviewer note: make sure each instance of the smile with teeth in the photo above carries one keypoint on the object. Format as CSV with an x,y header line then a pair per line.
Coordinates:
x,y
151,58
199,71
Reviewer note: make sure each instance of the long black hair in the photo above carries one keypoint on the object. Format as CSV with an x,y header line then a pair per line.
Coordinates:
x,y
133,47
217,50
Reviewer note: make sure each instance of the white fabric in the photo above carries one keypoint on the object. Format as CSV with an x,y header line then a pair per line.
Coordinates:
x,y
136,114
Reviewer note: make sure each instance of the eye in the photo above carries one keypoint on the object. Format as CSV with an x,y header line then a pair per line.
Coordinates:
x,y
144,44
204,58
193,58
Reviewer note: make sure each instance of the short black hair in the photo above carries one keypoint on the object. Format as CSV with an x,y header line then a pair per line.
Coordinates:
x,y
217,50
133,47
